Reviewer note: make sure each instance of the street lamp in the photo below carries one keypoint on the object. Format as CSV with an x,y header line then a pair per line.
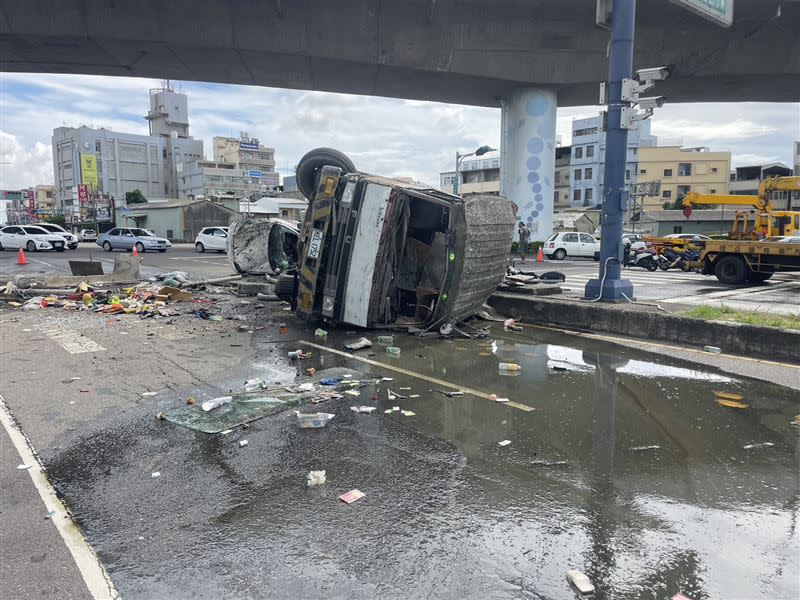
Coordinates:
x,y
459,157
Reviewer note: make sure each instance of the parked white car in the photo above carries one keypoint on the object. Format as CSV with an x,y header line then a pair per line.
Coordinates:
x,y
571,243
212,238
71,238
31,238
87,235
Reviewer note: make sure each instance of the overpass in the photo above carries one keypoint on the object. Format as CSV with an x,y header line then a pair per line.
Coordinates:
x,y
524,55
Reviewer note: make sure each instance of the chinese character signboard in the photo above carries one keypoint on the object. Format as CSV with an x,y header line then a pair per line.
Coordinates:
x,y
83,193
89,171
717,11
31,202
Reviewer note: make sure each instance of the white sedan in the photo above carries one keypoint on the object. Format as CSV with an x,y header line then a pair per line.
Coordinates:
x,y
212,238
31,238
571,243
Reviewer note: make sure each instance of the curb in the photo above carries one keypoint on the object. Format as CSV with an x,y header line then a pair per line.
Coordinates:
x,y
732,338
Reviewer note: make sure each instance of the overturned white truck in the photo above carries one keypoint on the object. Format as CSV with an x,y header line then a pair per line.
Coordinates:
x,y
380,252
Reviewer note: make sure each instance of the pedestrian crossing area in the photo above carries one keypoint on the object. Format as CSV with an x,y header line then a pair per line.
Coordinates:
x,y
656,279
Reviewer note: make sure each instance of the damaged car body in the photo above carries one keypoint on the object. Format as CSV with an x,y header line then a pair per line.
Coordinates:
x,y
262,246
380,252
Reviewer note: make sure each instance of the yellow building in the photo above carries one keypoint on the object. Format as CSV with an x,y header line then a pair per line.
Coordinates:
x,y
682,170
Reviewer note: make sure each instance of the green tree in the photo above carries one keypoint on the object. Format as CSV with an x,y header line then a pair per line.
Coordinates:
x,y
57,219
135,197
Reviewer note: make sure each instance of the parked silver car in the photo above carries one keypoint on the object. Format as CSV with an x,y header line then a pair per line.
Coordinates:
x,y
128,238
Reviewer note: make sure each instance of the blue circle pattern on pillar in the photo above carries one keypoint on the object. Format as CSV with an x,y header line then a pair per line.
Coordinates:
x,y
538,107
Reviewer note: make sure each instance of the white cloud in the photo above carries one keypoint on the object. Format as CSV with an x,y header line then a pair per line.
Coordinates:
x,y
382,135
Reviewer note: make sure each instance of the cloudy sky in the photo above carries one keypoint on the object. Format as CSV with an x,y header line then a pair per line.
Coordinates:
x,y
381,135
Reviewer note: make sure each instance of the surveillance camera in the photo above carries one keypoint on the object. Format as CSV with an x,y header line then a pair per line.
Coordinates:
x,y
651,102
654,73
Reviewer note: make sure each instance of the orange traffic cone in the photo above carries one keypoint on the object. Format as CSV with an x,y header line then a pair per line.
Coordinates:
x,y
540,255
21,257
135,251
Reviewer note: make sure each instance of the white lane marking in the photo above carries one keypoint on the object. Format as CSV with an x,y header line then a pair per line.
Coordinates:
x,y
748,291
94,575
73,342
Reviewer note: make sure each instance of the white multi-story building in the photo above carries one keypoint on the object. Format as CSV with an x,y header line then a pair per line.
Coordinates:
x,y
249,155
219,180
123,162
587,163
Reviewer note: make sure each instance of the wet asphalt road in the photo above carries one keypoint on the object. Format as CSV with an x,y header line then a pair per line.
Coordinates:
x,y
449,513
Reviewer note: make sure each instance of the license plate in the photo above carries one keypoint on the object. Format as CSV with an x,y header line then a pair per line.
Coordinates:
x,y
315,245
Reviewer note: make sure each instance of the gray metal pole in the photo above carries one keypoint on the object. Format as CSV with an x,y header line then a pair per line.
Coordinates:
x,y
609,286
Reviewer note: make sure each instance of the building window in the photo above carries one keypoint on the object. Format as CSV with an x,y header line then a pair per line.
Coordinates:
x,y
578,152
590,151
576,195
713,190
642,171
667,172
587,173
588,194
587,131
627,173
97,146
666,193
555,197
677,229
634,150
169,233
577,175
713,169
684,169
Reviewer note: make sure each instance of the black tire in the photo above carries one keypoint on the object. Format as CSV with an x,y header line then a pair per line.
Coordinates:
x,y
313,161
664,265
107,246
731,270
560,254
30,246
651,265
198,247
284,288
754,277
139,247
1,248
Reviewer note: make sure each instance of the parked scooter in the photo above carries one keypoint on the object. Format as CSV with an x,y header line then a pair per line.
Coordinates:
x,y
640,258
671,258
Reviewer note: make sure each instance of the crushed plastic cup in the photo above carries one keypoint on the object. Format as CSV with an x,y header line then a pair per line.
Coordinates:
x,y
321,333
215,403
393,350
314,420
315,478
509,366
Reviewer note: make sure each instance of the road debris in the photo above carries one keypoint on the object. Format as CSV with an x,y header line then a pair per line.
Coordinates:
x,y
511,325
359,344
645,448
408,413
215,403
503,366
580,582
313,420
385,340
363,409
393,350
451,394
355,393
315,478
712,349
242,443
504,443
352,496
145,394
728,395
321,333
760,445
299,354
155,474
732,404
23,467
680,596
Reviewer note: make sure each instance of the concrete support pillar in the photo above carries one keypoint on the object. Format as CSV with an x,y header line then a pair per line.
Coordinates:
x,y
527,158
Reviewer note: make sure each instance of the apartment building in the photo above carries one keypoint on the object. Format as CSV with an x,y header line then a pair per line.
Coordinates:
x,y
249,155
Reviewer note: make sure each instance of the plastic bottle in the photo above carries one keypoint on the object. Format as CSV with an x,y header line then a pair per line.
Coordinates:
x,y
509,367
386,340
393,350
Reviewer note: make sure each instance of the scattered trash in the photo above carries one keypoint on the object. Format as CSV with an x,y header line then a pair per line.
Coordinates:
x,y
215,318
385,340
501,399
549,463
504,443
242,443
732,404
23,467
363,409
508,366
680,596
395,408
355,393
315,478
404,388
511,325
645,448
321,333
313,420
49,515
393,350
331,380
761,445
226,432
451,394
796,420
149,393
173,294
712,349
254,384
215,403
352,496
580,582
414,396
283,329
408,413
311,371
359,344
155,474
305,387
295,354
728,395
387,378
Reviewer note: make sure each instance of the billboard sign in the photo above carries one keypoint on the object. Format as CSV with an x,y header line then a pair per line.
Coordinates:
x,y
250,145
31,202
89,171
717,11
83,193
255,174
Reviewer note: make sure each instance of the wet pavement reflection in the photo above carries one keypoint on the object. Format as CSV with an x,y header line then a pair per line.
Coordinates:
x,y
627,468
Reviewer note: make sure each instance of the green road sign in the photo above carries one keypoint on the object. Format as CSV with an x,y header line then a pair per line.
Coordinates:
x,y
717,11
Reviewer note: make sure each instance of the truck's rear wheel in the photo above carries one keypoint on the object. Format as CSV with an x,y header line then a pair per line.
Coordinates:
x,y
754,277
731,269
313,161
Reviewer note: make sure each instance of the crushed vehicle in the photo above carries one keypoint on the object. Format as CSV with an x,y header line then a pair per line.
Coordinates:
x,y
376,252
262,246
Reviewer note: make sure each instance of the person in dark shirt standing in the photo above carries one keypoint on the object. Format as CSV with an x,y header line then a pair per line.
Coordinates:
x,y
524,236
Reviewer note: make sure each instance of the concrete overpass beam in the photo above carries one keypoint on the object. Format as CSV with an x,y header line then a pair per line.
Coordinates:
x,y
527,158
